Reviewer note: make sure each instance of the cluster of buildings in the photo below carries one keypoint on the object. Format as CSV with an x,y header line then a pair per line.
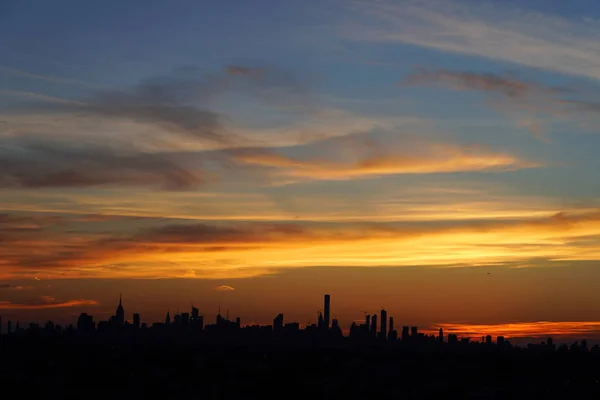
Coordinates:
x,y
375,327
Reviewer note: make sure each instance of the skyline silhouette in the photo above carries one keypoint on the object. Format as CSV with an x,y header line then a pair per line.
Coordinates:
x,y
377,326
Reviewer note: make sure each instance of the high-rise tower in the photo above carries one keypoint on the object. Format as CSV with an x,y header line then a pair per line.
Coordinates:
x,y
120,314
374,325
383,322
327,310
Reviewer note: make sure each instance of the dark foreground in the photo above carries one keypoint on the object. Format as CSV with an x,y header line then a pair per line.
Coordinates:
x,y
61,368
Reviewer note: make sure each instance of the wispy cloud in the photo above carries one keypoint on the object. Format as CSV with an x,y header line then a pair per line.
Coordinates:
x,y
7,286
424,158
45,303
38,97
487,30
509,85
225,288
233,249
47,78
39,165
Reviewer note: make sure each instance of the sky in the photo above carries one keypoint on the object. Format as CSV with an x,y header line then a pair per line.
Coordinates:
x,y
434,158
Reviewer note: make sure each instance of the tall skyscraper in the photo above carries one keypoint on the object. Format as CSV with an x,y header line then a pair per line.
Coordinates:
x,y
327,310
391,324
120,314
383,322
441,336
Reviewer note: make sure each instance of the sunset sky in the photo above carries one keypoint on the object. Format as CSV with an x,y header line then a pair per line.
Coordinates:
x,y
436,158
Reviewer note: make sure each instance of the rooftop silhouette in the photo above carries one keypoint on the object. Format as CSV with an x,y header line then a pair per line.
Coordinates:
x,y
187,355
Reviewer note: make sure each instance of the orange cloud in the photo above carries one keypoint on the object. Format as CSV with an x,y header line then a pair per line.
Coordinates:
x,y
225,288
537,329
7,286
428,158
47,303
241,249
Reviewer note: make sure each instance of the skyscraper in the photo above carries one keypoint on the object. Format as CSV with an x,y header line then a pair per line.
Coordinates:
x,y
327,310
374,325
383,330
441,336
120,314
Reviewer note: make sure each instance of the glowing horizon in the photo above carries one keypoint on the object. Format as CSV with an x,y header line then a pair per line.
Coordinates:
x,y
414,140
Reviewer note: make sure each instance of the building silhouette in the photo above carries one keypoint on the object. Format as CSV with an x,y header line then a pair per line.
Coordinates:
x,y
405,333
326,308
383,322
119,317
374,325
136,321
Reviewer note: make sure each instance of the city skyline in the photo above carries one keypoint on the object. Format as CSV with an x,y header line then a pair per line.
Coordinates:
x,y
434,157
379,324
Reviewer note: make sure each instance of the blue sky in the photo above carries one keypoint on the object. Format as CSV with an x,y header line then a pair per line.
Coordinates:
x,y
457,133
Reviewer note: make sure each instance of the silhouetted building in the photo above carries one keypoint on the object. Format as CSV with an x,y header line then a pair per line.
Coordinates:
x,y
185,319
441,335
488,339
500,340
49,327
414,332
374,325
120,314
405,335
383,322
327,306
278,324
85,323
168,319
196,320
136,321
321,322
452,338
